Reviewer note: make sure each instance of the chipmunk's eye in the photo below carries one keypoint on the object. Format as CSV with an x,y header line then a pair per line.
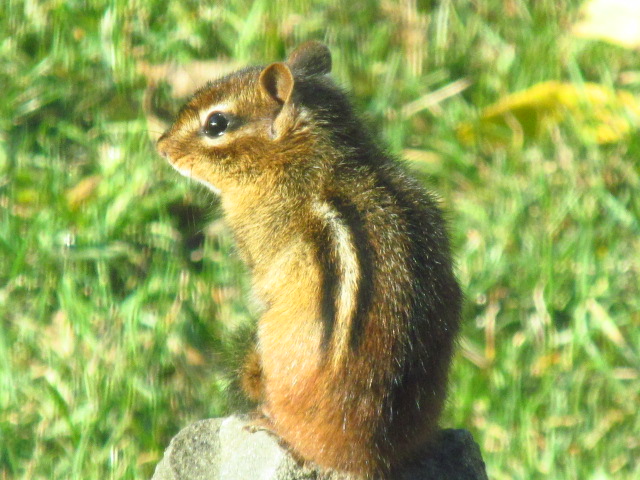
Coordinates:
x,y
215,125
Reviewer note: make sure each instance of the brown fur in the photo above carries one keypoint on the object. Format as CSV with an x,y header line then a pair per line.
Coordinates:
x,y
348,254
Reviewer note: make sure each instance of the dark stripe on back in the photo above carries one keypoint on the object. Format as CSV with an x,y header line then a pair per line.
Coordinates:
x,y
350,215
329,283
436,294
419,226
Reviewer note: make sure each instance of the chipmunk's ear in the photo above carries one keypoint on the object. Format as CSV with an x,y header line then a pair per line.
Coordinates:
x,y
310,58
277,81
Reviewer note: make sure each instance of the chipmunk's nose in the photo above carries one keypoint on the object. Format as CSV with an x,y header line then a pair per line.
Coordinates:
x,y
161,146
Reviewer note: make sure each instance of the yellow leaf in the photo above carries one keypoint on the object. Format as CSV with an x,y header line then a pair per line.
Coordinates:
x,y
601,114
615,21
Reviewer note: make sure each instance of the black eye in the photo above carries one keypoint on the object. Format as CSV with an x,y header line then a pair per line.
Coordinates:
x,y
215,125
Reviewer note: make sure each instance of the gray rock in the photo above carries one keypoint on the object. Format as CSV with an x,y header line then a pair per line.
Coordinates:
x,y
223,449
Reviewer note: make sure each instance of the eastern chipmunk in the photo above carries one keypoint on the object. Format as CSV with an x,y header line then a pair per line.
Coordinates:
x,y
348,254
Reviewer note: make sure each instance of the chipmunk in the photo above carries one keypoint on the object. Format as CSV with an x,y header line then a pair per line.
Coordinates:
x,y
348,254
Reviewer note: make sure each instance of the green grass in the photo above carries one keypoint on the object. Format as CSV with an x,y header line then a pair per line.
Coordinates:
x,y
118,305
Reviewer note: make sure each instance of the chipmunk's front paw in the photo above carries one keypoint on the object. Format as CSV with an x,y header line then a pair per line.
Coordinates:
x,y
260,422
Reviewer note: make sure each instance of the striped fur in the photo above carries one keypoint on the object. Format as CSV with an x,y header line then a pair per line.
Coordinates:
x,y
350,259
348,281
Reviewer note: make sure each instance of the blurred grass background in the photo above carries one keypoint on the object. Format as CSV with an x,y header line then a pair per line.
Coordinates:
x,y
119,289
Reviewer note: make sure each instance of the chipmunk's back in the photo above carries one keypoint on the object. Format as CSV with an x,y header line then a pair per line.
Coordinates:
x,y
349,255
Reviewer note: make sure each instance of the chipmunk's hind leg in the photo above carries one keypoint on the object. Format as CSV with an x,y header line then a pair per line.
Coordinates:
x,y
252,383
251,377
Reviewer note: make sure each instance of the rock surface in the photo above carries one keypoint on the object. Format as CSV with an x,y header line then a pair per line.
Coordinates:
x,y
223,449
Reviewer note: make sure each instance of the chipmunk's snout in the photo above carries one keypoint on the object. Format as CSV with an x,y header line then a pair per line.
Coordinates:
x,y
161,146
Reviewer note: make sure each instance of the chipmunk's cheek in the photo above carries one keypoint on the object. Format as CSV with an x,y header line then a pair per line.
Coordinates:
x,y
189,172
186,172
210,186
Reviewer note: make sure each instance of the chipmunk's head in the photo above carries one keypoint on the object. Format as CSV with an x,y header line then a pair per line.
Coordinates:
x,y
254,124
